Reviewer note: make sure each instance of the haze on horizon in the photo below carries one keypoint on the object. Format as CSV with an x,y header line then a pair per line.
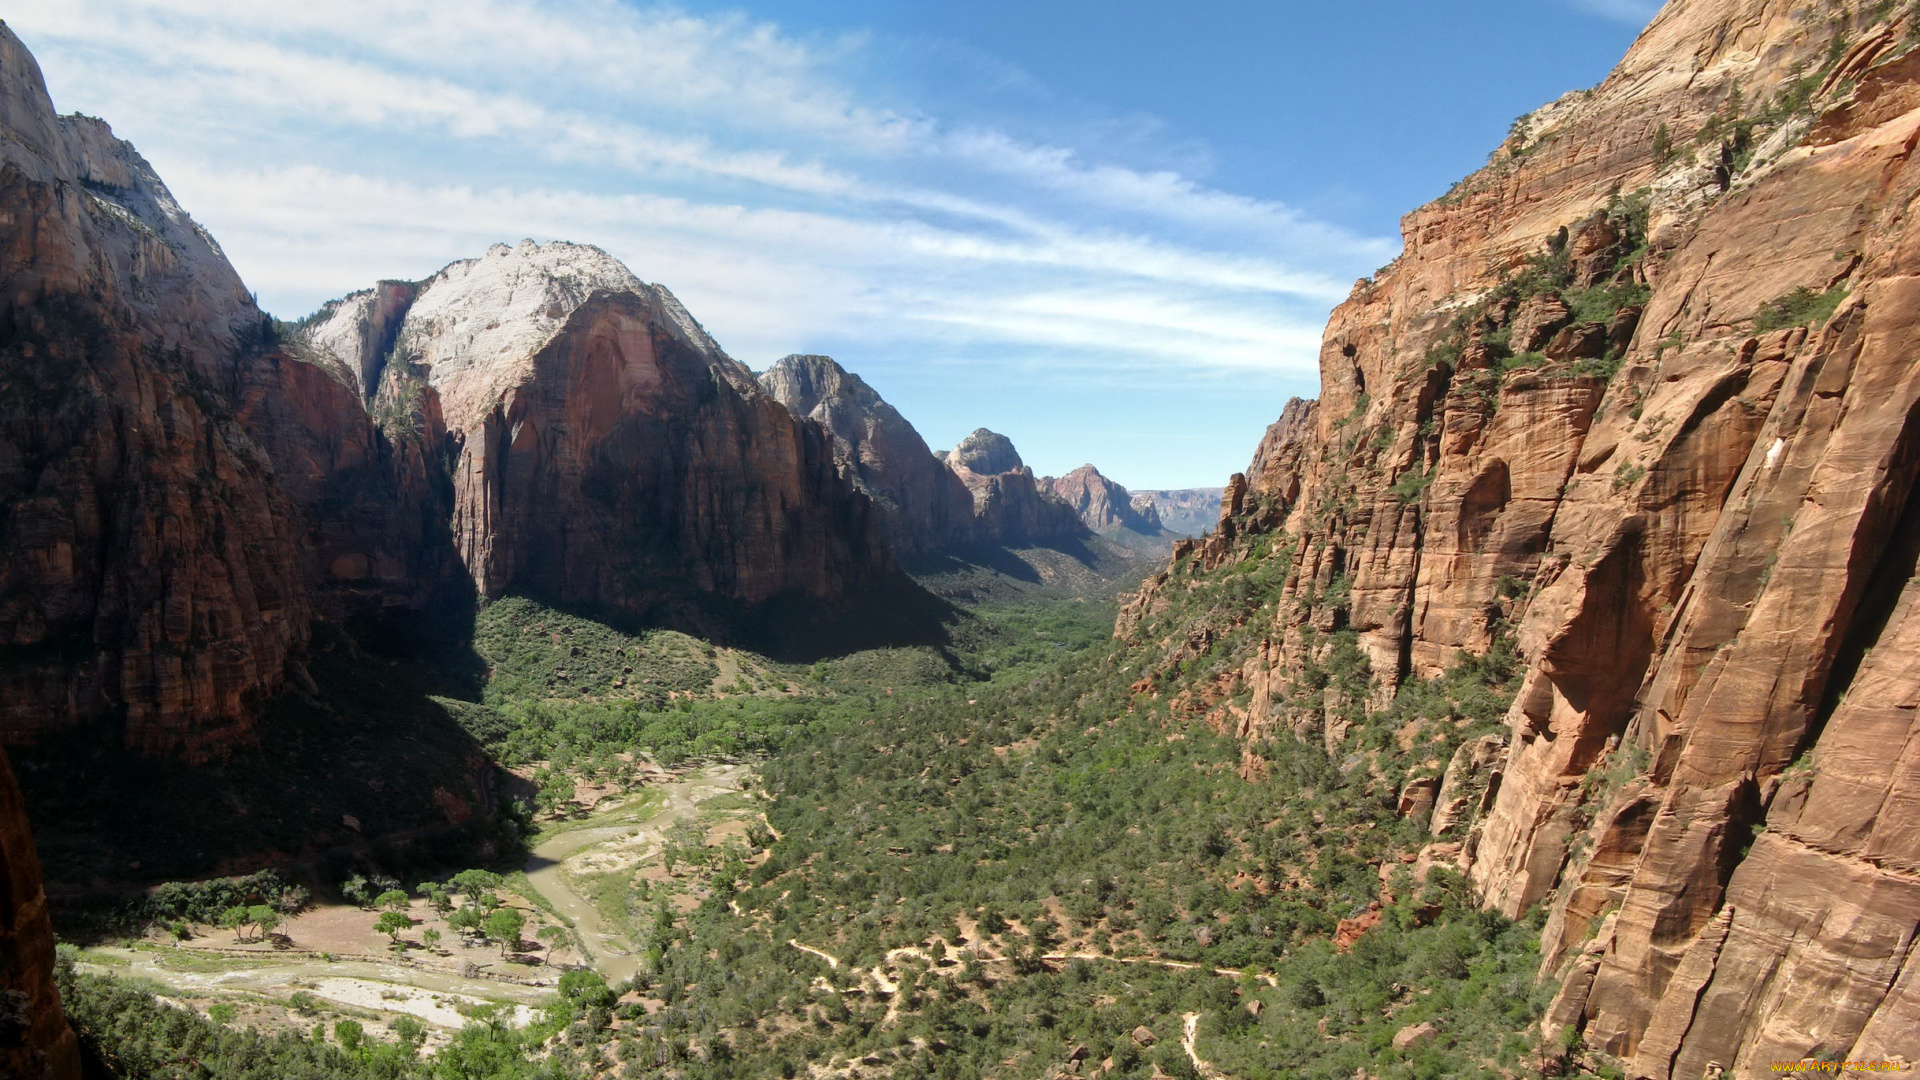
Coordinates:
x,y
1111,233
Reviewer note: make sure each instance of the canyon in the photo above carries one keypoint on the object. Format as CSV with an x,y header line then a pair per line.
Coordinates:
x,y
1633,411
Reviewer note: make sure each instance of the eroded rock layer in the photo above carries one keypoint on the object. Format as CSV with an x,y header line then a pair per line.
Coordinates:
x,y
1639,397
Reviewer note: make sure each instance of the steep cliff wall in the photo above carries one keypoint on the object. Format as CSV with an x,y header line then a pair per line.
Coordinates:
x,y
604,451
149,564
1637,398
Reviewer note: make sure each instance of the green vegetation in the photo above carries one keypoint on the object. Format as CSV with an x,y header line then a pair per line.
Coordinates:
x,y
1627,475
136,1036
1602,302
1410,484
1801,307
1009,850
537,653
1663,148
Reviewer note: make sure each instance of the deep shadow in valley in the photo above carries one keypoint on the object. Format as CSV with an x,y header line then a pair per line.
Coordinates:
x,y
367,758
379,754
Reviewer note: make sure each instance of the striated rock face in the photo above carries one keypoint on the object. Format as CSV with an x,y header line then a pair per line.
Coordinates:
x,y
604,451
1638,399
924,504
1182,511
1009,505
1103,505
150,566
35,1041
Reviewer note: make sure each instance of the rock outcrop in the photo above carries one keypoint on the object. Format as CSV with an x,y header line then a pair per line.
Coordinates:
x,y
924,505
1103,505
35,1041
1010,506
1637,399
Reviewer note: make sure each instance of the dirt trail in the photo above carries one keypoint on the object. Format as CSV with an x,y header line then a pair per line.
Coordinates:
x,y
1189,1035
1231,973
832,961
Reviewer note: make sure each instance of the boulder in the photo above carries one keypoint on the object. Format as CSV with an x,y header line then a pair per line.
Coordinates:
x,y
1414,1035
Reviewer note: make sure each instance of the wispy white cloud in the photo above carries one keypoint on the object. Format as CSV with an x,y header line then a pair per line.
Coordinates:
x,y
1631,12
749,169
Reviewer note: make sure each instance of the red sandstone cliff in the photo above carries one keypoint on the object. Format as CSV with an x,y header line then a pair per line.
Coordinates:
x,y
604,451
149,563
1640,394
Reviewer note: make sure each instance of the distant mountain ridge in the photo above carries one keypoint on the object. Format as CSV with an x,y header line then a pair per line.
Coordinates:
x,y
1184,511
980,492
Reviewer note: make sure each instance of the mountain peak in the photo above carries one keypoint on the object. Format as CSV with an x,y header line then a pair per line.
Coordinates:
x,y
987,453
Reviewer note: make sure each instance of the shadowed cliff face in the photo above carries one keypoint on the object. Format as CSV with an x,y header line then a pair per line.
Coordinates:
x,y
35,1041
1639,396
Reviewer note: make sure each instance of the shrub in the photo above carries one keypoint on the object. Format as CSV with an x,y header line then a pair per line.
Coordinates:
x,y
1411,484
1801,307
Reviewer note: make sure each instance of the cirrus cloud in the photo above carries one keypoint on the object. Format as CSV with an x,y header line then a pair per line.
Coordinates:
x,y
788,197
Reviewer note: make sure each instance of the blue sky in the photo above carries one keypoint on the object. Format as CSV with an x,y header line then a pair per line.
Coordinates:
x,y
1111,230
